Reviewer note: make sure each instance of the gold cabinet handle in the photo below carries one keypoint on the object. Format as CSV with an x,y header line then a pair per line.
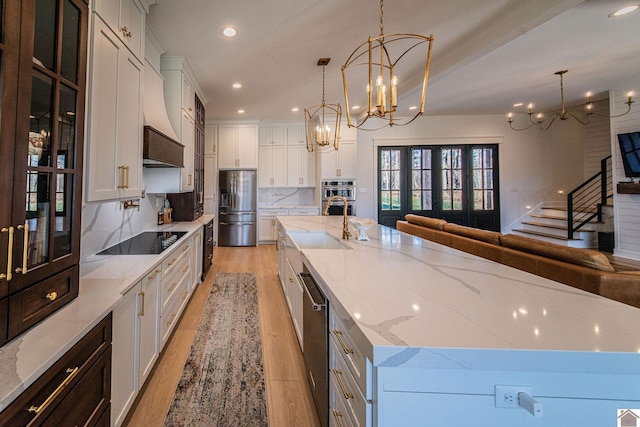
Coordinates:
x,y
72,372
337,373
126,32
190,179
338,335
186,268
336,416
173,317
25,248
173,261
51,296
121,176
172,287
126,174
186,248
9,230
141,312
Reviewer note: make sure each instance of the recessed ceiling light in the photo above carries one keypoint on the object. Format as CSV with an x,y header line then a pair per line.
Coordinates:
x,y
355,107
518,104
229,32
413,107
237,85
624,11
241,111
295,109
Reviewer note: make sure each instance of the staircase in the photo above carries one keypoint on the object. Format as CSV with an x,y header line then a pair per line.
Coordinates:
x,y
588,211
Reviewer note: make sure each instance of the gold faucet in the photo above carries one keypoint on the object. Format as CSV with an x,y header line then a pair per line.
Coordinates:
x,y
345,224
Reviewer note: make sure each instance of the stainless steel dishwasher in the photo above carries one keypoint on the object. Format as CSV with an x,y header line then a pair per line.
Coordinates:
x,y
315,344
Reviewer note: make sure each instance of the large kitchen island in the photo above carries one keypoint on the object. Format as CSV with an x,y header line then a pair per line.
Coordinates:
x,y
425,335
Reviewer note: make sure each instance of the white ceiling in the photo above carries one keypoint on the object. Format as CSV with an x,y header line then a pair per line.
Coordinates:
x,y
487,54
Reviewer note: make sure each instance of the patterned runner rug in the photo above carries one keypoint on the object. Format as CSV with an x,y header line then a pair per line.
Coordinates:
x,y
222,383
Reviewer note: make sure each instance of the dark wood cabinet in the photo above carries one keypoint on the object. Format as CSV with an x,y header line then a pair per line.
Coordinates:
x,y
189,206
42,76
76,390
207,255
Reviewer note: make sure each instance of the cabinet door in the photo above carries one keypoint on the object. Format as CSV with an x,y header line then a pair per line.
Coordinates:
x,y
188,97
347,159
46,143
130,123
265,228
124,378
132,27
148,324
115,127
187,137
227,141
264,166
247,146
301,167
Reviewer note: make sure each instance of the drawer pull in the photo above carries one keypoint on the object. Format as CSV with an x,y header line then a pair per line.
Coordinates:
x,y
141,312
186,248
186,268
173,317
172,287
173,261
338,335
337,373
72,373
336,416
51,296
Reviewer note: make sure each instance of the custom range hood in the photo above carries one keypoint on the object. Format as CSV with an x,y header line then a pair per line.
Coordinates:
x,y
161,148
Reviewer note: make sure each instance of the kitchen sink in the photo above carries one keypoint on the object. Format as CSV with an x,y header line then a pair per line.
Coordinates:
x,y
316,240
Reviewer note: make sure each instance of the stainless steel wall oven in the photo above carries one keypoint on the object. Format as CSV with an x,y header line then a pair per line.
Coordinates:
x,y
343,188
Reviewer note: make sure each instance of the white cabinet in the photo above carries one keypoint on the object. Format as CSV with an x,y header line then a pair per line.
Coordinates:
x,y
301,169
339,163
126,18
267,224
271,166
180,101
174,288
237,146
196,258
114,139
273,136
134,343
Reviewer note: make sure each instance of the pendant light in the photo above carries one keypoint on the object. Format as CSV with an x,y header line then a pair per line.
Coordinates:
x,y
322,122
377,60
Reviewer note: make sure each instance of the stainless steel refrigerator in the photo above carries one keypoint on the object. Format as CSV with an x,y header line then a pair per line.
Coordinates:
x,y
237,208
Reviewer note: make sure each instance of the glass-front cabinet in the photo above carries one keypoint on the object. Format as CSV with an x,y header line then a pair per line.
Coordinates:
x,y
43,73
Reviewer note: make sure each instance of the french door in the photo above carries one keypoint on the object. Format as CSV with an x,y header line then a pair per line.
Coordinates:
x,y
458,183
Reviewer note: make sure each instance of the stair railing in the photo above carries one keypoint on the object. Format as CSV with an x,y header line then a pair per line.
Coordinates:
x,y
585,202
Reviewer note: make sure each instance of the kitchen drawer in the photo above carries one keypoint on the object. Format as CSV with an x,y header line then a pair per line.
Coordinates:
x,y
33,304
177,277
171,314
273,212
345,388
339,415
81,379
358,364
170,261
304,211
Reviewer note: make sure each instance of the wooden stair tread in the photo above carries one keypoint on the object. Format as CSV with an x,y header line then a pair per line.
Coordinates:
x,y
554,226
541,234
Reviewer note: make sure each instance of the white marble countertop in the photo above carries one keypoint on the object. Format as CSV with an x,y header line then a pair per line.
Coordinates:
x,y
405,292
103,280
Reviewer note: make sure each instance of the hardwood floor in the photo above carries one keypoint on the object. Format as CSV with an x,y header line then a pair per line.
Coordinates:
x,y
289,401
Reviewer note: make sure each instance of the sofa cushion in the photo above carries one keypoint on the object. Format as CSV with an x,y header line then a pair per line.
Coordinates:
x,y
584,257
435,223
492,237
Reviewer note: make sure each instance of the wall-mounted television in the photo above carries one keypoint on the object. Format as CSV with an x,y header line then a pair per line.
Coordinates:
x,y
630,151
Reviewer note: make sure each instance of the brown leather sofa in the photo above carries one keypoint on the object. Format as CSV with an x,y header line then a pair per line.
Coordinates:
x,y
585,269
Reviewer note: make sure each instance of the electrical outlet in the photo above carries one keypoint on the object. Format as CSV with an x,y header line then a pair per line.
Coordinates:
x,y
507,395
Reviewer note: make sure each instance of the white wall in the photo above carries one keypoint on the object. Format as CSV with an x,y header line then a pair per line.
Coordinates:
x,y
597,139
626,206
534,165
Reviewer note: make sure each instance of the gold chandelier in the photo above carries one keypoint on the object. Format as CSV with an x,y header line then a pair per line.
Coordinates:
x,y
375,57
582,117
318,120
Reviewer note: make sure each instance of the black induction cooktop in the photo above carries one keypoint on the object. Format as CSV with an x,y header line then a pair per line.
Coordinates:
x,y
147,243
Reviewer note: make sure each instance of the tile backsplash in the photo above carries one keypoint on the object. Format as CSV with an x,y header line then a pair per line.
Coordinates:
x,y
286,196
107,223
